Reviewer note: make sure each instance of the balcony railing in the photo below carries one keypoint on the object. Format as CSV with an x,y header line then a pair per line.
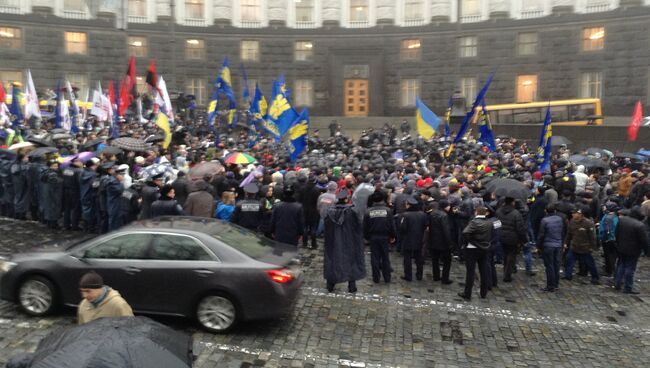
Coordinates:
x,y
414,22
250,24
10,9
75,14
359,24
527,14
138,19
470,18
597,8
304,24
195,22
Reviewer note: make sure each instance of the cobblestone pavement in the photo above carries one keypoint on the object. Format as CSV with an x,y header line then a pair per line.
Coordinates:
x,y
418,324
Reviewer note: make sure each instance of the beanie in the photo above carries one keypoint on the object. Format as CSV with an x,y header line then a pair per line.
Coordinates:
x,y
91,280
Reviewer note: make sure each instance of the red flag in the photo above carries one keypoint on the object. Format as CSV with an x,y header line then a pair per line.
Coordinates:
x,y
131,79
152,77
125,102
111,93
635,124
3,93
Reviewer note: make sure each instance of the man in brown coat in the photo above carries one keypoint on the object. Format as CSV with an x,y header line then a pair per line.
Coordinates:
x,y
100,300
581,241
200,202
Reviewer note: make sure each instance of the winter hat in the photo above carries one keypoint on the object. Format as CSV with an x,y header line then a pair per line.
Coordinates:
x,y
91,280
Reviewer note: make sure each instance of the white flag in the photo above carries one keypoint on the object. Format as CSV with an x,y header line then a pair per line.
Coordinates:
x,y
101,106
31,99
646,121
66,123
162,99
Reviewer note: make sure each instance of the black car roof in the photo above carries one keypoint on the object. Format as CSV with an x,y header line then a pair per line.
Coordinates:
x,y
182,223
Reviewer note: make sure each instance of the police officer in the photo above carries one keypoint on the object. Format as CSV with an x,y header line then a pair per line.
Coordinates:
x,y
71,195
107,171
21,187
378,230
36,166
114,190
412,226
131,202
150,194
247,211
88,185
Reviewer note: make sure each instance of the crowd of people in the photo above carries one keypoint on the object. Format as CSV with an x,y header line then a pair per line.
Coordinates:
x,y
387,189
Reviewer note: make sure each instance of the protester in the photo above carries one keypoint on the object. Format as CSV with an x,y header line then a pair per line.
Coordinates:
x,y
166,204
99,300
199,202
632,238
479,235
287,218
580,242
550,238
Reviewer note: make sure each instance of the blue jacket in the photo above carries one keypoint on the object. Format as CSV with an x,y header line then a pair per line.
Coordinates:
x,y
607,228
224,211
551,232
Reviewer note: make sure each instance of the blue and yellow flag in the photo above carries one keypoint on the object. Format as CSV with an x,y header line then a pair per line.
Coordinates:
x,y
224,86
258,105
426,121
280,112
246,95
14,109
486,136
544,149
464,126
297,135
162,121
448,119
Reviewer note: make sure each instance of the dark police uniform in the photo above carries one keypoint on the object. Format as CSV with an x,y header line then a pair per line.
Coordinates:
x,y
88,184
378,228
412,226
71,198
248,214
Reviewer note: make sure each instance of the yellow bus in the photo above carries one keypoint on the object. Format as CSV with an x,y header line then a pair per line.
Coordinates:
x,y
586,111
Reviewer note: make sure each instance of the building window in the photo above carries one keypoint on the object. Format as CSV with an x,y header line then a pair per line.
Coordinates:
x,y
80,81
9,77
468,87
304,51
470,8
141,84
305,11
359,11
591,84
304,92
196,87
526,88
410,50
593,38
138,8
250,50
76,43
194,9
527,44
413,10
410,89
11,38
468,46
194,49
251,11
137,46
77,5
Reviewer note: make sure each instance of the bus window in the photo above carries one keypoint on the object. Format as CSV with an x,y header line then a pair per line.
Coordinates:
x,y
580,112
505,117
559,113
527,116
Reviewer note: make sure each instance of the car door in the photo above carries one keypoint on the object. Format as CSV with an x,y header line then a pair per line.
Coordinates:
x,y
119,260
180,267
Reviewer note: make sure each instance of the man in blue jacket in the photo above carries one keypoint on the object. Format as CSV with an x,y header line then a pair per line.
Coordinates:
x,y
550,239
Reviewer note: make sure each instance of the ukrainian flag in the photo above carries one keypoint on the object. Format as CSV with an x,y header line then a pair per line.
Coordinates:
x,y
426,121
224,86
280,112
298,135
16,116
545,149
258,105
163,123
486,136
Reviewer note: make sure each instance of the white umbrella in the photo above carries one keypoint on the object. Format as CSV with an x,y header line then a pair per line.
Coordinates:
x,y
17,146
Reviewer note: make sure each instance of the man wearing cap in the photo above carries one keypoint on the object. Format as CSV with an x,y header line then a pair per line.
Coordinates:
x,y
411,229
378,230
581,240
440,243
479,237
114,191
247,211
88,185
287,219
150,194
71,195
99,300
53,191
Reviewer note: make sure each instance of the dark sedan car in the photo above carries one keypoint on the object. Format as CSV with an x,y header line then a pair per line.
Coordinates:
x,y
207,269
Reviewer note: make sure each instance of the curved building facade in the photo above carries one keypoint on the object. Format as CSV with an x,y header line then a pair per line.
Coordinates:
x,y
343,57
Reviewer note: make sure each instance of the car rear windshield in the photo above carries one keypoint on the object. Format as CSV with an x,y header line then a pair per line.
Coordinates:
x,y
245,241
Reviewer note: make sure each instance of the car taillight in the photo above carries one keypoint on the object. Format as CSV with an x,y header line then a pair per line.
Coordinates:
x,y
280,276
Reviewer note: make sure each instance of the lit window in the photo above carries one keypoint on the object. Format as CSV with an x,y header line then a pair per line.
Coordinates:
x,y
11,38
526,88
76,43
250,50
196,87
359,10
410,89
468,87
304,92
468,46
138,8
9,77
593,38
305,10
527,44
77,5
304,51
470,8
413,10
251,11
410,50
591,84
194,9
80,82
137,46
194,49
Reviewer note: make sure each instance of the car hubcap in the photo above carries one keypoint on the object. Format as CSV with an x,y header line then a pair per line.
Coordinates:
x,y
216,312
35,296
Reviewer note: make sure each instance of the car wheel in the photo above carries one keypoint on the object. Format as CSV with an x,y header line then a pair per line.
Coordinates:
x,y
36,296
216,313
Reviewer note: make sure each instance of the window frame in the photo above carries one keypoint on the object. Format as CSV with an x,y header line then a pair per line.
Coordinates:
x,y
521,44
353,4
191,4
463,7
190,50
8,40
246,57
463,48
307,52
297,94
200,99
415,4
405,99
587,44
474,87
589,83
7,82
519,84
410,54
246,8
144,5
131,48
312,7
68,43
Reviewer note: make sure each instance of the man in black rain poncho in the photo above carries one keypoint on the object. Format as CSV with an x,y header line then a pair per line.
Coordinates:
x,y
344,259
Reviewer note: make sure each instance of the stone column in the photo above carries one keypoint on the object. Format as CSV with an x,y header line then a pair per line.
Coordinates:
x,y
441,11
331,13
499,9
222,12
277,11
385,12
563,6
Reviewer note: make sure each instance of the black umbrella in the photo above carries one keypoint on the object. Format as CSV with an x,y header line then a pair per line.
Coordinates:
x,y
627,155
111,150
588,162
6,154
42,142
505,187
92,143
601,151
131,144
42,151
155,138
558,140
124,342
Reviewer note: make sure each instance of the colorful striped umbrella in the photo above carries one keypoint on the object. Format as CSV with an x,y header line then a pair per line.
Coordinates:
x,y
240,158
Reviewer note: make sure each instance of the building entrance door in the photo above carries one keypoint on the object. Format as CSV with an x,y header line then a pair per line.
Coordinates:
x,y
356,97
